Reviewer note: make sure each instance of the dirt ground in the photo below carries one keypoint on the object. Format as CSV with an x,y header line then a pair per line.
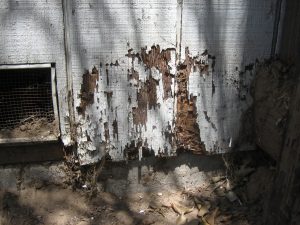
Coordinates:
x,y
32,129
236,201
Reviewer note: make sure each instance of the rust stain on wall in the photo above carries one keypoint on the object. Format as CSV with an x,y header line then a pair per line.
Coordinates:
x,y
159,60
89,84
186,126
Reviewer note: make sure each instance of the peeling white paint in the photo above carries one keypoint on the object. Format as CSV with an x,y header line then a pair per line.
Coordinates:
x,y
236,33
91,131
225,30
106,40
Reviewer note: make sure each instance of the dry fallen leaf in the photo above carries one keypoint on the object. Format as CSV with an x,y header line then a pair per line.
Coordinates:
x,y
176,209
202,211
197,201
181,220
199,205
180,209
203,221
212,217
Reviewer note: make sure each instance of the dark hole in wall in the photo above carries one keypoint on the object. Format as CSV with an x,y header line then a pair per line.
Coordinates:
x,y
26,104
25,93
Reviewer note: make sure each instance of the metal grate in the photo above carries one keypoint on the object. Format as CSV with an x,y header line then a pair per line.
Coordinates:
x,y
25,94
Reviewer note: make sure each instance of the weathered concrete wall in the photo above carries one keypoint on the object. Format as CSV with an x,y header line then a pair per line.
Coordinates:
x,y
32,32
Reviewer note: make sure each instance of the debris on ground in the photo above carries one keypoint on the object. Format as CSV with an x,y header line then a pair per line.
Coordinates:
x,y
216,202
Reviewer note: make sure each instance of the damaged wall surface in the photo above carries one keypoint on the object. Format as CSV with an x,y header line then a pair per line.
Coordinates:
x,y
169,75
133,99
235,34
147,77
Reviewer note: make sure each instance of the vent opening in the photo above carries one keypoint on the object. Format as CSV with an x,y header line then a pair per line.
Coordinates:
x,y
27,101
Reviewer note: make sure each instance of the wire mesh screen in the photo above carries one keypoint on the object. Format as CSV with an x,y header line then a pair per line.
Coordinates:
x,y
25,94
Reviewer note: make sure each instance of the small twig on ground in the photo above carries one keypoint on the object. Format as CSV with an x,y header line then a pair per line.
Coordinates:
x,y
28,118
